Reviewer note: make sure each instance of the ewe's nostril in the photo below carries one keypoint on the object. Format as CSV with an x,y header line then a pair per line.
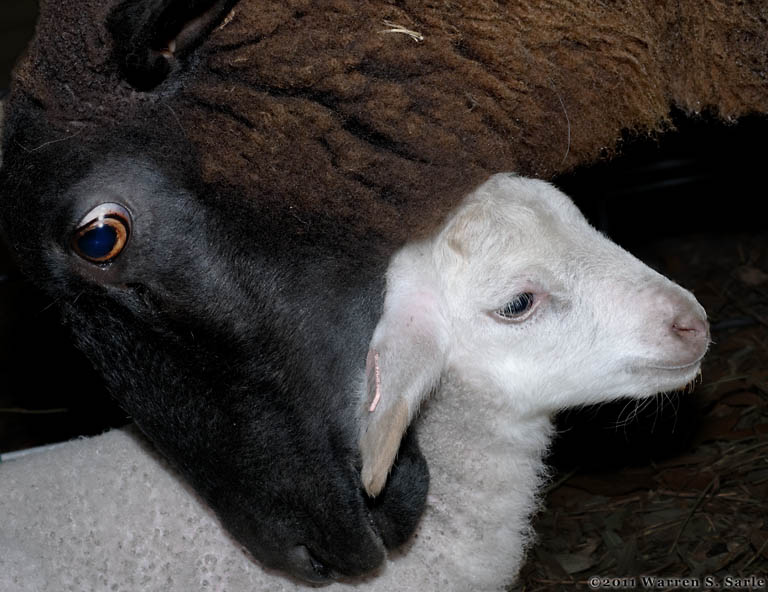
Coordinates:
x,y
303,564
323,571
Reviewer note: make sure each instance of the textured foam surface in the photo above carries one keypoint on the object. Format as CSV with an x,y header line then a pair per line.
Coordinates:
x,y
105,513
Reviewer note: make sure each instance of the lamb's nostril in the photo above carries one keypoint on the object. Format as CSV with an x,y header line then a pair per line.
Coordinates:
x,y
691,328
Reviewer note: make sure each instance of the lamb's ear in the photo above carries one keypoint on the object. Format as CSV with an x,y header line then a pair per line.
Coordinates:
x,y
151,35
405,361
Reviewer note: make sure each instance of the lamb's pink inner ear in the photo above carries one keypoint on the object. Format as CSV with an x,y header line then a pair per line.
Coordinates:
x,y
373,379
384,426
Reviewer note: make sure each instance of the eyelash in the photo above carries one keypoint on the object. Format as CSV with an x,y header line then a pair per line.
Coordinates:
x,y
519,308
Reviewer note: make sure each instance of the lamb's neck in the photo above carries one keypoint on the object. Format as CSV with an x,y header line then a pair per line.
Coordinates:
x,y
486,467
468,434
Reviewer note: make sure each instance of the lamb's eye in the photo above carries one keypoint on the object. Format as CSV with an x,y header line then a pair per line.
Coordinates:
x,y
103,233
517,308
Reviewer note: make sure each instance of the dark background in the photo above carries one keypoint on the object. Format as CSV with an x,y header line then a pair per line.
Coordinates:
x,y
700,182
17,19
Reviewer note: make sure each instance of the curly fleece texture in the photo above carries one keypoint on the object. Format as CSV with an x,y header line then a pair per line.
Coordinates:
x,y
332,113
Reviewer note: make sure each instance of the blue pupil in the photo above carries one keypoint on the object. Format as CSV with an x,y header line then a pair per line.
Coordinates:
x,y
98,242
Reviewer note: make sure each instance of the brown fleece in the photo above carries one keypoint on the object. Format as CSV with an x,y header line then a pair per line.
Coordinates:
x,y
333,113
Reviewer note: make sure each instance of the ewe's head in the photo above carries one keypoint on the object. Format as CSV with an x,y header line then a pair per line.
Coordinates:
x,y
520,297
209,299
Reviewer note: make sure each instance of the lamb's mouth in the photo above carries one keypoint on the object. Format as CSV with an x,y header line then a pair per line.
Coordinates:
x,y
688,366
663,378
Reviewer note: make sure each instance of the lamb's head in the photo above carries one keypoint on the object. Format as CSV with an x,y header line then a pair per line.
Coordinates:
x,y
542,306
519,296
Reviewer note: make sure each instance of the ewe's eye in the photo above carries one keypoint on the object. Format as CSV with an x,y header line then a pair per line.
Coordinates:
x,y
103,233
518,308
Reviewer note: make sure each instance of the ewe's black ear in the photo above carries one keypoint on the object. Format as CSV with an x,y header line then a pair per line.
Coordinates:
x,y
150,36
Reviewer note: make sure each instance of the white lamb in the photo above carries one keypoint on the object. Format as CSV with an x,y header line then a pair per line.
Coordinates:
x,y
516,308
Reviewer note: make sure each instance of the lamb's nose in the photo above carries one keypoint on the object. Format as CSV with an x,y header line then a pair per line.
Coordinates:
x,y
692,328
